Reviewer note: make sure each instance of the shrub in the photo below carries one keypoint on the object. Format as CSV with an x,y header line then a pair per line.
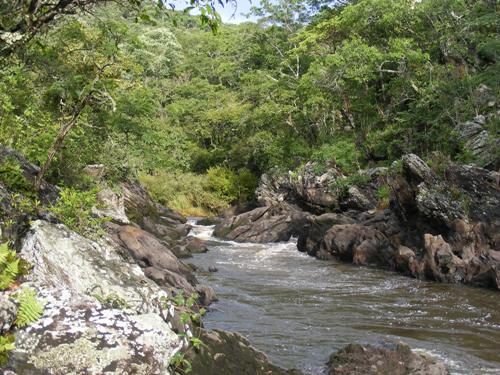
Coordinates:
x,y
343,152
12,176
383,194
201,195
74,209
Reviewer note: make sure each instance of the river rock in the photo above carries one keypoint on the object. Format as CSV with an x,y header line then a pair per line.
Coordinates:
x,y
227,353
355,359
312,234
263,224
358,244
443,227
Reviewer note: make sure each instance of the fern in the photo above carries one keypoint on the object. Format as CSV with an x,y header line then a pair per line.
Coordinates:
x,y
9,266
30,309
6,345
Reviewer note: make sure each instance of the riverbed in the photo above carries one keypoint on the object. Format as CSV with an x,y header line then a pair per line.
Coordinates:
x,y
299,310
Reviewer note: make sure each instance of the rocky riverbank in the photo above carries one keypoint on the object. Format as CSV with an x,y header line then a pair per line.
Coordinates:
x,y
113,303
441,226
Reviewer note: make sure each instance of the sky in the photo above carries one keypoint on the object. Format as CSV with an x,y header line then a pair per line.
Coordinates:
x,y
243,7
230,14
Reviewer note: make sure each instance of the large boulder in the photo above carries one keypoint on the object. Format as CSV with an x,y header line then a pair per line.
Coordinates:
x,y
102,314
61,257
263,224
78,335
227,353
358,244
314,229
355,359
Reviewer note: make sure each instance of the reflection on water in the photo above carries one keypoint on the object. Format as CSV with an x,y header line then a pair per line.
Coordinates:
x,y
299,310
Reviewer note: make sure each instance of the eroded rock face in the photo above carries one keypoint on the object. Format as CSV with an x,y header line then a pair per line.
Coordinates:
x,y
442,227
264,224
111,206
160,221
318,192
79,335
355,359
478,141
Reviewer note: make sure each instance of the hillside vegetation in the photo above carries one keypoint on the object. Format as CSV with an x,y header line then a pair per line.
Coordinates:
x,y
198,116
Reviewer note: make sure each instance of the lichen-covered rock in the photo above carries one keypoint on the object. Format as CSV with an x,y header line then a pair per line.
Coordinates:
x,y
61,257
111,206
355,359
78,335
8,312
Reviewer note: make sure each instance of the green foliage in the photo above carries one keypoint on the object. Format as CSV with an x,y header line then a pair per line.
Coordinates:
x,y
342,153
6,345
12,176
200,116
30,308
383,194
11,266
74,209
201,195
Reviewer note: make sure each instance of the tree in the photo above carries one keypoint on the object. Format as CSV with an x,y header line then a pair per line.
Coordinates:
x,y
21,20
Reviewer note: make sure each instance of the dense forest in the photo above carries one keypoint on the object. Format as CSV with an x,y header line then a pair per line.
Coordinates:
x,y
199,115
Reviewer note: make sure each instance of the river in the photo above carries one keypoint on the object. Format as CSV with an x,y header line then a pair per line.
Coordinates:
x,y
299,310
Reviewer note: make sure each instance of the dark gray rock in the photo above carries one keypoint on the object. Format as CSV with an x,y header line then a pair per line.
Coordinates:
x,y
264,224
227,353
355,359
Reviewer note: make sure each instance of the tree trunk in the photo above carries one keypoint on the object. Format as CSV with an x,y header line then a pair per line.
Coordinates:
x,y
61,136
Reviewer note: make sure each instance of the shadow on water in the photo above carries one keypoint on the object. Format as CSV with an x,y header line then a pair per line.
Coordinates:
x,y
299,310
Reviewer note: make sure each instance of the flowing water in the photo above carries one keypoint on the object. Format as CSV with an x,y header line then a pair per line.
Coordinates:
x,y
299,310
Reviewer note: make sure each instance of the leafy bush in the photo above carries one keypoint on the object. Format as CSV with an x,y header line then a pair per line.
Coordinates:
x,y
11,266
222,182
74,209
201,195
12,176
341,152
